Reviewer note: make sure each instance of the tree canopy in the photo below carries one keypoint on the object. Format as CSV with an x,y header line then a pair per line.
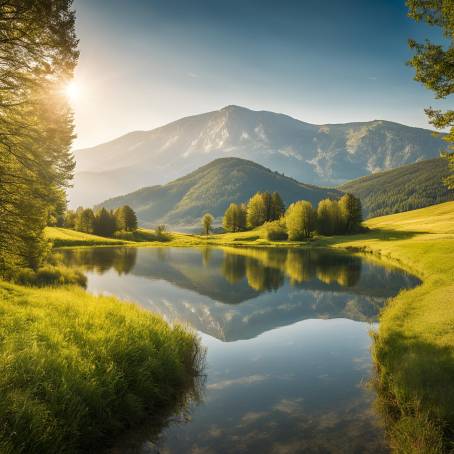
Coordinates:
x,y
434,65
38,55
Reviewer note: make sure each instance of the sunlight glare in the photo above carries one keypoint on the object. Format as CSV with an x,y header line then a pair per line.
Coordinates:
x,y
72,91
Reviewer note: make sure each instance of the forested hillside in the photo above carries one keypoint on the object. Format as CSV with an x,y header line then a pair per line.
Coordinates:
x,y
212,188
402,189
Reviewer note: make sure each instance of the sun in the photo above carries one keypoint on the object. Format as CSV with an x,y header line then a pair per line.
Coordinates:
x,y
72,91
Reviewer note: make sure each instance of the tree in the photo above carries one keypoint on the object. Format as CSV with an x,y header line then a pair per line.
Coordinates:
x,y
434,65
207,222
300,220
234,218
126,218
278,207
268,205
329,220
351,213
38,56
105,223
255,211
85,221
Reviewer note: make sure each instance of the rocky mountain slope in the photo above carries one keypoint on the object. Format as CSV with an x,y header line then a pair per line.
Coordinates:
x,y
317,154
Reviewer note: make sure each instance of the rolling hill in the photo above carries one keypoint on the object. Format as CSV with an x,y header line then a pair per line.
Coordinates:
x,y
317,154
405,188
212,188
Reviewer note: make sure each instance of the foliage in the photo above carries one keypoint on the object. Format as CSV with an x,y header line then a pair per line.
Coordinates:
x,y
50,275
38,55
329,217
351,213
207,222
300,219
434,65
235,218
255,211
85,221
403,189
126,219
77,370
264,207
105,223
274,231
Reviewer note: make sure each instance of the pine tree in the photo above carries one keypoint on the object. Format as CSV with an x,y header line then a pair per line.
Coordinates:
x,y
105,223
38,55
126,218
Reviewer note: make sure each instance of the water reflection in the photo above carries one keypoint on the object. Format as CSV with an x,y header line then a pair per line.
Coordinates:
x,y
286,336
275,287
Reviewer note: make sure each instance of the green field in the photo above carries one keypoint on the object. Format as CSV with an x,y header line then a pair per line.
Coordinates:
x,y
77,370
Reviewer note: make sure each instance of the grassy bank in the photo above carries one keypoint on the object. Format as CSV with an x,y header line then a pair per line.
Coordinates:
x,y
78,370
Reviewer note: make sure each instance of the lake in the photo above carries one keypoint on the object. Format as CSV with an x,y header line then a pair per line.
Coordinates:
x,y
287,339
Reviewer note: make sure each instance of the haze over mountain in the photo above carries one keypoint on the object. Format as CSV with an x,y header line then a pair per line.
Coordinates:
x,y
316,154
211,189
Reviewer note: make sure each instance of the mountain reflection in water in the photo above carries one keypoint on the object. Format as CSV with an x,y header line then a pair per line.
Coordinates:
x,y
275,286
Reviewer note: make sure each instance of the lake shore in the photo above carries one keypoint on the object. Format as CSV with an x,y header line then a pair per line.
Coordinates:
x,y
413,350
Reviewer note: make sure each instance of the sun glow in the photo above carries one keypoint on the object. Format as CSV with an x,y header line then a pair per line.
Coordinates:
x,y
72,91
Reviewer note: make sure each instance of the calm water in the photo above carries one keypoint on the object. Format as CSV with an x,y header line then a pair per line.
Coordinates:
x,y
287,341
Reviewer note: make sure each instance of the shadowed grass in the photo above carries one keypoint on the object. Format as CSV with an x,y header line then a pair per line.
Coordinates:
x,y
79,369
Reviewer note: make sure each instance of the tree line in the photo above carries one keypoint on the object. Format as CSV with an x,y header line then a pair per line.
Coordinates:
x,y
299,221
101,222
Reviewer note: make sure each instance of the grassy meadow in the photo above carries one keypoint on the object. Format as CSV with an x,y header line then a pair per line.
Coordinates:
x,y
78,369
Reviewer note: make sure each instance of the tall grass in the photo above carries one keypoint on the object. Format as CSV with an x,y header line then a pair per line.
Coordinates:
x,y
77,370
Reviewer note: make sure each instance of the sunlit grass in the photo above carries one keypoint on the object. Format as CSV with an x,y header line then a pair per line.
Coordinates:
x,y
78,370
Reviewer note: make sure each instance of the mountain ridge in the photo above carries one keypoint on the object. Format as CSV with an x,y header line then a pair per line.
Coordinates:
x,y
329,154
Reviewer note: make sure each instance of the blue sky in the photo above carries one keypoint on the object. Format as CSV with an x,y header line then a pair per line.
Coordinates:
x,y
146,63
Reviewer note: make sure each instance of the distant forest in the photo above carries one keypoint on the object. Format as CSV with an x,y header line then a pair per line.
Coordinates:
x,y
402,189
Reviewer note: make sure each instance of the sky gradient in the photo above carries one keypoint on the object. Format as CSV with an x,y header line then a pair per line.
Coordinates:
x,y
146,63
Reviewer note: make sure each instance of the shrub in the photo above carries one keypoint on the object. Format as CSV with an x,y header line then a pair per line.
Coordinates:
x,y
50,276
275,232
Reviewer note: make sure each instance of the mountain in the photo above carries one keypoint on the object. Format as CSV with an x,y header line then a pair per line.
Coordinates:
x,y
405,188
316,154
211,189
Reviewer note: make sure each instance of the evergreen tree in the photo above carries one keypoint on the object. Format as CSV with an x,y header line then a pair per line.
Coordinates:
x,y
105,223
434,65
278,207
126,218
300,220
85,221
207,222
38,55
351,213
256,211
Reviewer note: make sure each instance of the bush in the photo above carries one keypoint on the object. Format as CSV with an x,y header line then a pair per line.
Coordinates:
x,y
77,370
50,276
275,232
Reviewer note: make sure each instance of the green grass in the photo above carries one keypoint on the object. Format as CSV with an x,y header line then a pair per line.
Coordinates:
x,y
66,237
77,370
